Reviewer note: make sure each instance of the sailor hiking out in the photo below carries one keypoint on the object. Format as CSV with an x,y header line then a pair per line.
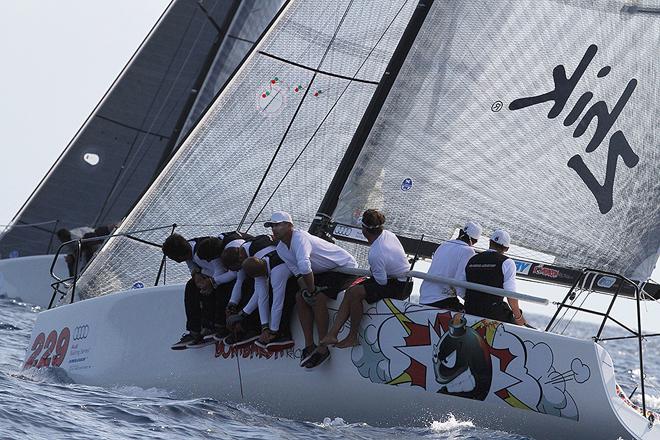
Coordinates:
x,y
209,288
493,268
311,259
449,261
388,264
243,303
274,285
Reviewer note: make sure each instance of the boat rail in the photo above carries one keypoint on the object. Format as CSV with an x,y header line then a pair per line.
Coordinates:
x,y
586,283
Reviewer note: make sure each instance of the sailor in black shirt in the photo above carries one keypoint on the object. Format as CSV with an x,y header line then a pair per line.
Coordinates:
x,y
493,268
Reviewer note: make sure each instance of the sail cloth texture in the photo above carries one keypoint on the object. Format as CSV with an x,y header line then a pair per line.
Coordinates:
x,y
305,87
116,154
537,117
249,22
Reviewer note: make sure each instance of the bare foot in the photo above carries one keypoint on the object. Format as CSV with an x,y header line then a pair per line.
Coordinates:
x,y
328,340
348,341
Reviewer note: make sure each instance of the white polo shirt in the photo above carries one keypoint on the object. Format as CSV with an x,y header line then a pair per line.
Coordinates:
x,y
309,253
449,260
387,259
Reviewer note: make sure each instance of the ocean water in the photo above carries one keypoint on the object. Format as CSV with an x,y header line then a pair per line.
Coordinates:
x,y
44,406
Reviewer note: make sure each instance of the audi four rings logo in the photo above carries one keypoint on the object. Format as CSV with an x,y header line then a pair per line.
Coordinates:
x,y
80,332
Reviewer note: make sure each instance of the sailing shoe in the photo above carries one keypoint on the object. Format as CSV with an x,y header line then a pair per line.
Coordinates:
x,y
317,359
220,333
200,341
240,339
182,343
266,336
307,354
207,332
281,342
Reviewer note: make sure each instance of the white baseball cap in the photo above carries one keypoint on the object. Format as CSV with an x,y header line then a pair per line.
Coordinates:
x,y
278,217
473,230
501,237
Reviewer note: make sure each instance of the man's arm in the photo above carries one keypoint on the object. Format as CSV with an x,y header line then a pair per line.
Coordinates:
x,y
509,272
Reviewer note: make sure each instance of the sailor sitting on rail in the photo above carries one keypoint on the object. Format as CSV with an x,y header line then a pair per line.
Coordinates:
x,y
311,259
224,279
200,303
449,260
273,280
388,263
493,268
245,323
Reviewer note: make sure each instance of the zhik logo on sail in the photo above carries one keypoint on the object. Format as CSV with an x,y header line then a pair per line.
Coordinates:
x,y
605,119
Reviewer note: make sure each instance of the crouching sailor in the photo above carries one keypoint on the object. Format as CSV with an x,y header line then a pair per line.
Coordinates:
x,y
199,301
388,263
493,268
311,259
245,324
273,283
449,261
223,279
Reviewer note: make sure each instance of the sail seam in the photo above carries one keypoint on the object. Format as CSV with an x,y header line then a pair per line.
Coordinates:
x,y
322,72
130,127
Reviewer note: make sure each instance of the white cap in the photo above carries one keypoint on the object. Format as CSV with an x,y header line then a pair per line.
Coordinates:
x,y
473,230
501,237
278,217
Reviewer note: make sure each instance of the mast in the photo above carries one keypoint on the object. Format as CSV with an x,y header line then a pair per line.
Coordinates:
x,y
329,202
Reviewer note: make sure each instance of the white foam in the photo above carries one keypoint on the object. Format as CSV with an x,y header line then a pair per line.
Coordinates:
x,y
450,424
133,391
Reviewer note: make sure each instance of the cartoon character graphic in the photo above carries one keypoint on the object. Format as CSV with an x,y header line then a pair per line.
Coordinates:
x,y
461,361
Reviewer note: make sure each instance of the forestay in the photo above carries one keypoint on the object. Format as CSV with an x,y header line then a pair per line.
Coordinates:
x,y
304,87
539,118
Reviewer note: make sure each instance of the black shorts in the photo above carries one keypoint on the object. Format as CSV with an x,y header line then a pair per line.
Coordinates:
x,y
452,304
393,289
334,282
499,311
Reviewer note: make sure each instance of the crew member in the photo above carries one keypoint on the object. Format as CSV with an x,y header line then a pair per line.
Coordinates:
x,y
388,263
449,261
493,268
312,260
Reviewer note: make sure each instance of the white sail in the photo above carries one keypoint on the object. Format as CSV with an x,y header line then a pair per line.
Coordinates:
x,y
541,118
304,88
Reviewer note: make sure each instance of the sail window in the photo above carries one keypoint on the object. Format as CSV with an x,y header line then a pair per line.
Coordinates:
x,y
91,158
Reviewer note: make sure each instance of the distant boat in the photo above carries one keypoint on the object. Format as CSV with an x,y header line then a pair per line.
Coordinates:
x,y
435,112
131,134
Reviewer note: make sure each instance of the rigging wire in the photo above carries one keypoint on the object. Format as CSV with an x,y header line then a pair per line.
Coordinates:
x,y
293,118
326,116
128,163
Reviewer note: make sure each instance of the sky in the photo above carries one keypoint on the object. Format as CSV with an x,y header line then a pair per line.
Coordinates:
x,y
58,59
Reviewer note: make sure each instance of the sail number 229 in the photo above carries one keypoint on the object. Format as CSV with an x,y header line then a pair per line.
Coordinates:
x,y
59,344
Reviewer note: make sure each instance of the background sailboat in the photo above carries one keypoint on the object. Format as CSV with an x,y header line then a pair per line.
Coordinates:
x,y
133,131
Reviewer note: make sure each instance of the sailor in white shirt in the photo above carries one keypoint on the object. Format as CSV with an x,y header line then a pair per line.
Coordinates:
x,y
449,261
199,300
272,279
388,263
311,259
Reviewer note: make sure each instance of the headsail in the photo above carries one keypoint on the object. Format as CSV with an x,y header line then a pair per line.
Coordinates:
x,y
281,125
125,141
543,121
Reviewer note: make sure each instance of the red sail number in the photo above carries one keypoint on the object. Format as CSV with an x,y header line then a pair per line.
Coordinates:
x,y
59,344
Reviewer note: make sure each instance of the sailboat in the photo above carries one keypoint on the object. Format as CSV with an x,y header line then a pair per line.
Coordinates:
x,y
435,112
129,136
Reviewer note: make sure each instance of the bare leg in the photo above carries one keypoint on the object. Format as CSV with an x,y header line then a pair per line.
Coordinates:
x,y
306,320
321,317
357,295
340,318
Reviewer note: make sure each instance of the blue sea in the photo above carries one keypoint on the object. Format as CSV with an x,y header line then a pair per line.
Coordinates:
x,y
45,406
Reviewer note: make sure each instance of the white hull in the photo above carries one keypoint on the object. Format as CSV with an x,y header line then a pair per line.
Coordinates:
x,y
28,278
124,339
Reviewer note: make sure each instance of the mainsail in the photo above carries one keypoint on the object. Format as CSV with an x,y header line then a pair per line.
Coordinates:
x,y
140,122
274,135
539,118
